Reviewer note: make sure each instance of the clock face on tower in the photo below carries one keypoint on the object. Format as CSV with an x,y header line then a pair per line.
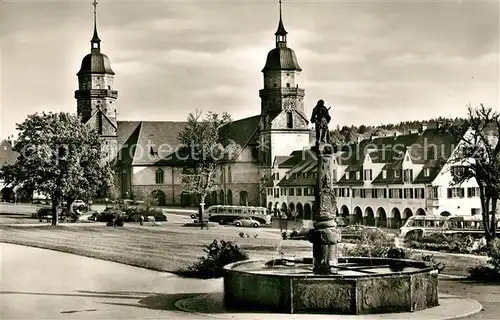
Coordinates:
x,y
289,105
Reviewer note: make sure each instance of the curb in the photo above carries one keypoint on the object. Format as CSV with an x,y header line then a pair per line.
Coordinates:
x,y
442,312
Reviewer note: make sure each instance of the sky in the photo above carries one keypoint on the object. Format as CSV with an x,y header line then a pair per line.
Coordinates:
x,y
371,61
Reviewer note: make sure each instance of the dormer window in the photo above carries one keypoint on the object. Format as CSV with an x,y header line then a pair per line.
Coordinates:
x,y
347,175
358,175
384,174
396,173
426,172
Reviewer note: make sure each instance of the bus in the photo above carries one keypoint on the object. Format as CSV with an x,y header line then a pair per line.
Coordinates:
x,y
425,225
224,214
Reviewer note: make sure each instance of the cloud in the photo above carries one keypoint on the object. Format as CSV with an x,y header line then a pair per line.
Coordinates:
x,y
371,61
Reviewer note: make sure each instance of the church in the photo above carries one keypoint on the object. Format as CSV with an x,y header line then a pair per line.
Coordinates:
x,y
136,148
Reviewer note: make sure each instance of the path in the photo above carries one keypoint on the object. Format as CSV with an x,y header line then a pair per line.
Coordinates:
x,y
44,284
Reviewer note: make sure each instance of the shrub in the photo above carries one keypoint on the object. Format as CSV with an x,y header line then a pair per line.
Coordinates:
x,y
158,214
484,274
434,238
133,214
494,254
43,211
219,254
375,235
302,234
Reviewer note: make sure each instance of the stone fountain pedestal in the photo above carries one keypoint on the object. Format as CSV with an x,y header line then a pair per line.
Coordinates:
x,y
325,236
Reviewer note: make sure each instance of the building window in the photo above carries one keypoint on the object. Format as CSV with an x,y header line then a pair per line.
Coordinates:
x,y
472,192
419,193
396,173
109,87
358,175
152,151
289,120
384,174
291,192
408,193
347,175
159,176
305,175
229,176
426,172
299,192
434,193
368,174
474,211
455,193
288,84
408,175
306,192
334,176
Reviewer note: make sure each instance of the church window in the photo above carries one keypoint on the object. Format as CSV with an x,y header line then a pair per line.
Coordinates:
x,y
288,84
159,176
229,177
289,120
153,151
99,123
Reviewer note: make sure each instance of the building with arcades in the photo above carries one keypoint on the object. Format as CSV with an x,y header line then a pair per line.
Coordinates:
x,y
143,152
380,181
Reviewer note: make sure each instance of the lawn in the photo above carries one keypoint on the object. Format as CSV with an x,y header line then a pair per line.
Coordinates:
x,y
161,248
166,248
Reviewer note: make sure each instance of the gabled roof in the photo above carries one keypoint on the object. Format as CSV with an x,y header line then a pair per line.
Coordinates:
x,y
278,160
353,179
156,142
391,178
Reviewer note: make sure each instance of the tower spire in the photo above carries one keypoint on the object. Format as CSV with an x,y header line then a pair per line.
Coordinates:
x,y
96,42
281,32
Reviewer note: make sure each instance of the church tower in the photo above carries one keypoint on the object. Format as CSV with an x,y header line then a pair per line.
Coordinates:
x,y
283,126
96,96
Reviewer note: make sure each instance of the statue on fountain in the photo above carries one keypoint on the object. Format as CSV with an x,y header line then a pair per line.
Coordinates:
x,y
325,236
321,118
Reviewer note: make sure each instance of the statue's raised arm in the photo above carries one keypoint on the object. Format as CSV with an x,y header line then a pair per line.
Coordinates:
x,y
321,118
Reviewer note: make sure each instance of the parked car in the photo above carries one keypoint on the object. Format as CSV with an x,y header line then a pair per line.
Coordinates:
x,y
246,222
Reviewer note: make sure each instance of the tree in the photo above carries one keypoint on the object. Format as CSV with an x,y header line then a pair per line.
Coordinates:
x,y
207,147
60,157
478,158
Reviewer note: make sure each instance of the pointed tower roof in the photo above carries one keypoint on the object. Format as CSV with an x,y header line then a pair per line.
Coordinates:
x,y
281,57
281,28
95,62
95,37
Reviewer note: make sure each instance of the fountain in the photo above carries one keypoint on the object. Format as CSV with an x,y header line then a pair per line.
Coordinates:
x,y
327,283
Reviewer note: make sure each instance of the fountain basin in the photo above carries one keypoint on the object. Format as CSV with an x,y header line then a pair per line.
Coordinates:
x,y
361,286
